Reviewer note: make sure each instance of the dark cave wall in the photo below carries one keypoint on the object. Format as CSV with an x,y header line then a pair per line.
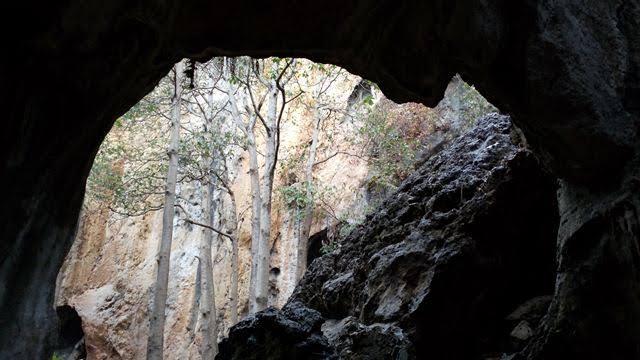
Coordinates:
x,y
595,313
568,71
65,89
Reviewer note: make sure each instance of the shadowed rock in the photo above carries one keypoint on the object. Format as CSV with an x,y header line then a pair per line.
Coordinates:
x,y
435,270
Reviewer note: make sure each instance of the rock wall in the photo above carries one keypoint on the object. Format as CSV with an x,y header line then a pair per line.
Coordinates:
x,y
448,267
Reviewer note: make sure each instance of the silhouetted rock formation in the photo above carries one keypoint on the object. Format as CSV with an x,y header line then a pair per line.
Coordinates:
x,y
437,268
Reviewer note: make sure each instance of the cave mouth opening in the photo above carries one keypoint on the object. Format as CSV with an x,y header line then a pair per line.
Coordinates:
x,y
70,334
317,243
327,108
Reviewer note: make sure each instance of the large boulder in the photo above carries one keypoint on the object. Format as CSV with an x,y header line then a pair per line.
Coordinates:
x,y
437,269
271,334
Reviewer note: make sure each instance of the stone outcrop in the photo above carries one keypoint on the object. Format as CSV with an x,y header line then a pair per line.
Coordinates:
x,y
568,71
437,270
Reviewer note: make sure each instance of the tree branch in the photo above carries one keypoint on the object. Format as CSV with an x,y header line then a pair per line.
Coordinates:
x,y
188,220
210,228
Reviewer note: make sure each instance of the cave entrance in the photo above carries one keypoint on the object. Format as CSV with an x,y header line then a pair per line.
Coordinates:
x,y
329,143
317,243
71,342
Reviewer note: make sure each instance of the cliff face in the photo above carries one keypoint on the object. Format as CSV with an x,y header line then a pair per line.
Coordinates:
x,y
109,272
108,275
447,267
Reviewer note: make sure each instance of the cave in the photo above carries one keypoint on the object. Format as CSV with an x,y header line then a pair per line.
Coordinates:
x,y
316,241
71,336
70,326
567,72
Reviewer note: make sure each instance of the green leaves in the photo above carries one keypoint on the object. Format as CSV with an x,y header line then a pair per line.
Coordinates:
x,y
298,195
391,154
129,169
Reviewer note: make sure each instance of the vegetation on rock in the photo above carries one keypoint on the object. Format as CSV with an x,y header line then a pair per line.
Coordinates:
x,y
231,114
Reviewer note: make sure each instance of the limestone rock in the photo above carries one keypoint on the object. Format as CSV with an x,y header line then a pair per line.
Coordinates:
x,y
443,260
353,340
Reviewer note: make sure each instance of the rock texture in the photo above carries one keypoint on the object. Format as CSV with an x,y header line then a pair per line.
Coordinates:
x,y
436,270
109,272
567,70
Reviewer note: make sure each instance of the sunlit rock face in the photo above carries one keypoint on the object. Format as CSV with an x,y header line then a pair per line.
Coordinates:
x,y
435,271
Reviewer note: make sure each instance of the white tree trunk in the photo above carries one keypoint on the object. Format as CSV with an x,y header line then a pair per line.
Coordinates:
x,y
262,277
307,219
254,175
208,324
255,223
157,319
233,227
233,291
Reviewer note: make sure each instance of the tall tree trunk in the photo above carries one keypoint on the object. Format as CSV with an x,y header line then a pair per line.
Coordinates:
x,y
210,204
254,175
208,323
256,200
225,180
157,319
195,304
262,276
307,219
233,291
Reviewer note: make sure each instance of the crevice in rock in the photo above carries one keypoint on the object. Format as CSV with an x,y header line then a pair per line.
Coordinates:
x,y
71,336
316,242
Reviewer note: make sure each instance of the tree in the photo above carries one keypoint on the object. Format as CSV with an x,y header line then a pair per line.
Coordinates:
x,y
157,319
223,178
252,83
207,161
321,105
208,321
271,124
247,127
